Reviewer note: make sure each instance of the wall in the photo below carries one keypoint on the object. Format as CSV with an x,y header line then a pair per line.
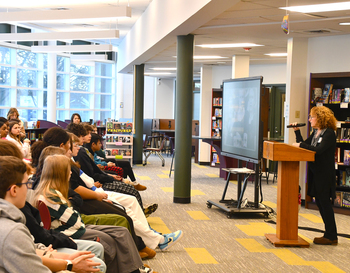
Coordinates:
x,y
272,73
164,99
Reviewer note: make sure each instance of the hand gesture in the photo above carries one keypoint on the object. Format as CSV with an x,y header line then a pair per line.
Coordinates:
x,y
111,164
83,264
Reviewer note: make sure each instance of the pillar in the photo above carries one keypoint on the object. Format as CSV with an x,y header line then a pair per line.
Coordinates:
x,y
183,119
240,66
138,112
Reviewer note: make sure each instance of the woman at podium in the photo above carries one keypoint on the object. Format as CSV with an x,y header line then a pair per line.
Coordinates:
x,y
321,172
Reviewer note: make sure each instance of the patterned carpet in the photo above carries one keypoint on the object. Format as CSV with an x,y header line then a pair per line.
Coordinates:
x,y
214,243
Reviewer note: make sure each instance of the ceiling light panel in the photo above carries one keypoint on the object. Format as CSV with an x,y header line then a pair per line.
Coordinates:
x,y
228,45
51,15
319,8
72,48
49,36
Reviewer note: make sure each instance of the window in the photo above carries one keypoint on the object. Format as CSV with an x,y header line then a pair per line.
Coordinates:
x,y
86,89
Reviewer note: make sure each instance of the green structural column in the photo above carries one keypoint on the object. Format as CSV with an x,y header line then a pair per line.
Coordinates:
x,y
138,112
183,119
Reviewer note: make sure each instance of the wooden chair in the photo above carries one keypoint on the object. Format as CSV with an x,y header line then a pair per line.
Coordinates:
x,y
147,151
44,214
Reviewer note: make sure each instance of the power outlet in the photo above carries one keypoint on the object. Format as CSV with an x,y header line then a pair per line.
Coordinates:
x,y
297,114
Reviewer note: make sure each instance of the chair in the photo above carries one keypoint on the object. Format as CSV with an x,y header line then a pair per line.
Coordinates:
x,y
44,214
158,151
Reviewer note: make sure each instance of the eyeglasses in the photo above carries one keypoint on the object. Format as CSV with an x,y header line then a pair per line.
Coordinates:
x,y
29,185
311,117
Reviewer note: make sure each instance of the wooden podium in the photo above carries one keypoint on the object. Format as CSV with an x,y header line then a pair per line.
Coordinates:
x,y
288,158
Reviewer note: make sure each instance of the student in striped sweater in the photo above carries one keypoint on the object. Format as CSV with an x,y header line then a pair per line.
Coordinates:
x,y
53,191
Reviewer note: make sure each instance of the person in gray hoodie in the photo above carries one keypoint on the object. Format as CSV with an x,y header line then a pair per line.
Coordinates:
x,y
17,250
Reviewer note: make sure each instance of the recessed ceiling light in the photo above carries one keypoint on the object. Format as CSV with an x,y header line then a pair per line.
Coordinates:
x,y
164,68
277,54
228,45
157,73
320,7
208,57
344,24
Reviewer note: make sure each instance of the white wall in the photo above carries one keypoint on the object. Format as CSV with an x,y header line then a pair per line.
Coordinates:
x,y
329,54
272,73
164,99
148,106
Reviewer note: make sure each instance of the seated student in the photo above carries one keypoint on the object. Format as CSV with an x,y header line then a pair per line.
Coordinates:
x,y
13,114
151,238
125,165
89,167
14,136
20,254
75,118
59,138
96,145
53,191
57,240
4,127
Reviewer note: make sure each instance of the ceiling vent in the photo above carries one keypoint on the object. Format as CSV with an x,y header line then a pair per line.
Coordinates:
x,y
61,8
317,31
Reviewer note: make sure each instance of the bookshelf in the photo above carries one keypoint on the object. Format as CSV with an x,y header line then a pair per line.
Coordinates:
x,y
216,125
335,101
119,141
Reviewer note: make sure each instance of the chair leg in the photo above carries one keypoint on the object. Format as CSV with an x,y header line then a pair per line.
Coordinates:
x,y
161,158
172,161
146,156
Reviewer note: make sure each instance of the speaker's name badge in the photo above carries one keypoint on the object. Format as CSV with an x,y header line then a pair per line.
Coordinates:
x,y
319,140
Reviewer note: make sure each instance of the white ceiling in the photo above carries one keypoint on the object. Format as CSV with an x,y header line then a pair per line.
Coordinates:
x,y
255,21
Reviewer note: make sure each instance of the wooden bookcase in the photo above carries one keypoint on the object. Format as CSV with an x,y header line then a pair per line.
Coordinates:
x,y
340,80
216,122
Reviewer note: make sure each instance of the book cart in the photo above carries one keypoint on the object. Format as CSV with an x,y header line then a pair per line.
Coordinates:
x,y
119,141
332,90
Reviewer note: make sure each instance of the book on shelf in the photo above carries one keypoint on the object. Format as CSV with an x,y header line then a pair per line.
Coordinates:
x,y
346,95
337,95
346,200
337,155
316,94
346,157
124,139
327,92
121,152
338,201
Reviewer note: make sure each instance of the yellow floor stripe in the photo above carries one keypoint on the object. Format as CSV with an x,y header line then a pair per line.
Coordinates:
x,y
167,189
274,187
256,229
198,215
200,256
157,224
143,177
311,217
166,172
199,166
163,175
288,256
310,241
270,204
212,175
234,182
193,192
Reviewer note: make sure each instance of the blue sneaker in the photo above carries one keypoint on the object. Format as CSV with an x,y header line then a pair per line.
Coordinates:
x,y
170,239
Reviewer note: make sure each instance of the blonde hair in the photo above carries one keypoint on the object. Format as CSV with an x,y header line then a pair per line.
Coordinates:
x,y
55,175
325,117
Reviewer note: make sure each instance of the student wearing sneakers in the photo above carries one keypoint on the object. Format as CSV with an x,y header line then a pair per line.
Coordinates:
x,y
96,145
151,238
89,167
53,191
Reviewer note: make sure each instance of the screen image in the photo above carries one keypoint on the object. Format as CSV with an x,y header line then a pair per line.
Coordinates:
x,y
241,123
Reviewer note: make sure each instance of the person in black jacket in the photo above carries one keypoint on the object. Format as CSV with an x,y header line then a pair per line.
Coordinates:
x,y
321,172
